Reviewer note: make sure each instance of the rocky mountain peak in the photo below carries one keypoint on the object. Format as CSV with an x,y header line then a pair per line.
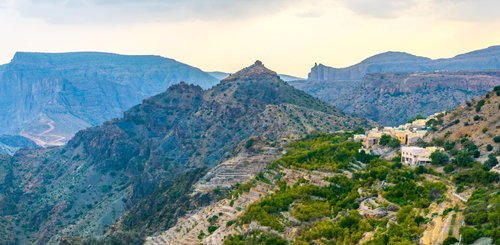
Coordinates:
x,y
257,70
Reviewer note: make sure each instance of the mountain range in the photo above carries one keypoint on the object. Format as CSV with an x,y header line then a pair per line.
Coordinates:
x,y
49,97
135,175
392,87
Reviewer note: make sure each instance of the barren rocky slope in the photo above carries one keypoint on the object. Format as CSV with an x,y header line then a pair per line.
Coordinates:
x,y
477,119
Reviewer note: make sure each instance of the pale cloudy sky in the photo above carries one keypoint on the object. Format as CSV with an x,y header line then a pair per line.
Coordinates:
x,y
289,36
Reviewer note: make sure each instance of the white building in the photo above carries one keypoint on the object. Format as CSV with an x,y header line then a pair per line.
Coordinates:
x,y
414,156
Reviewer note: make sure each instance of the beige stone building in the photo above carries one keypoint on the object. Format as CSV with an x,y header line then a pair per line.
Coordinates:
x,y
414,156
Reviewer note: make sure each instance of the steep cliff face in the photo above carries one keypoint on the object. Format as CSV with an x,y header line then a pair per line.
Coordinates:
x,y
391,99
145,164
49,97
385,62
393,87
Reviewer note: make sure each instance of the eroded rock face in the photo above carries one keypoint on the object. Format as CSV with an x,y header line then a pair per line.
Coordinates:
x,y
392,87
49,97
398,62
391,99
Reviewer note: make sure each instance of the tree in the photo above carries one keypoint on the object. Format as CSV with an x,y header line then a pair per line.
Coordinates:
x,y
359,130
479,105
490,163
496,139
417,117
387,140
439,158
448,168
469,234
450,240
489,147
463,159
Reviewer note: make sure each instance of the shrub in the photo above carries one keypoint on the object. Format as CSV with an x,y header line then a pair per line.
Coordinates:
x,y
490,163
249,143
469,234
448,145
463,159
479,105
212,228
448,168
489,147
496,139
450,241
476,154
389,141
439,158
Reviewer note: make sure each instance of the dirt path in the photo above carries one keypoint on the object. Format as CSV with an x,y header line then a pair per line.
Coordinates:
x,y
45,138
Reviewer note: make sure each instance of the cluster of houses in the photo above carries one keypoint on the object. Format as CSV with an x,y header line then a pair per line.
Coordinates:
x,y
408,134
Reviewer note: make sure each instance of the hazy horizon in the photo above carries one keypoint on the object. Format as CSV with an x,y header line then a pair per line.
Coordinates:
x,y
222,35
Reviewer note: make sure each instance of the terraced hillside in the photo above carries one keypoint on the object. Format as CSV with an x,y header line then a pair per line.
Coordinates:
x,y
321,191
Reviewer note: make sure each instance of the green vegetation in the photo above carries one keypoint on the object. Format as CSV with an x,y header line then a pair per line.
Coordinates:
x,y
482,216
496,139
212,229
331,211
406,191
309,210
490,163
322,152
254,238
439,158
479,105
347,230
387,140
450,241
417,117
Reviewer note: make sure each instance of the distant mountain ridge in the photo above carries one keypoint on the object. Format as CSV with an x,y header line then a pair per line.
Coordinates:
x,y
392,87
47,97
9,144
394,62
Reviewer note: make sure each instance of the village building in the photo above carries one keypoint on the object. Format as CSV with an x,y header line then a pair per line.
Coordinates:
x,y
414,156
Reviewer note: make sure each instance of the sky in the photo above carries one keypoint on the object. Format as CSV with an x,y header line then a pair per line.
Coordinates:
x,y
289,36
